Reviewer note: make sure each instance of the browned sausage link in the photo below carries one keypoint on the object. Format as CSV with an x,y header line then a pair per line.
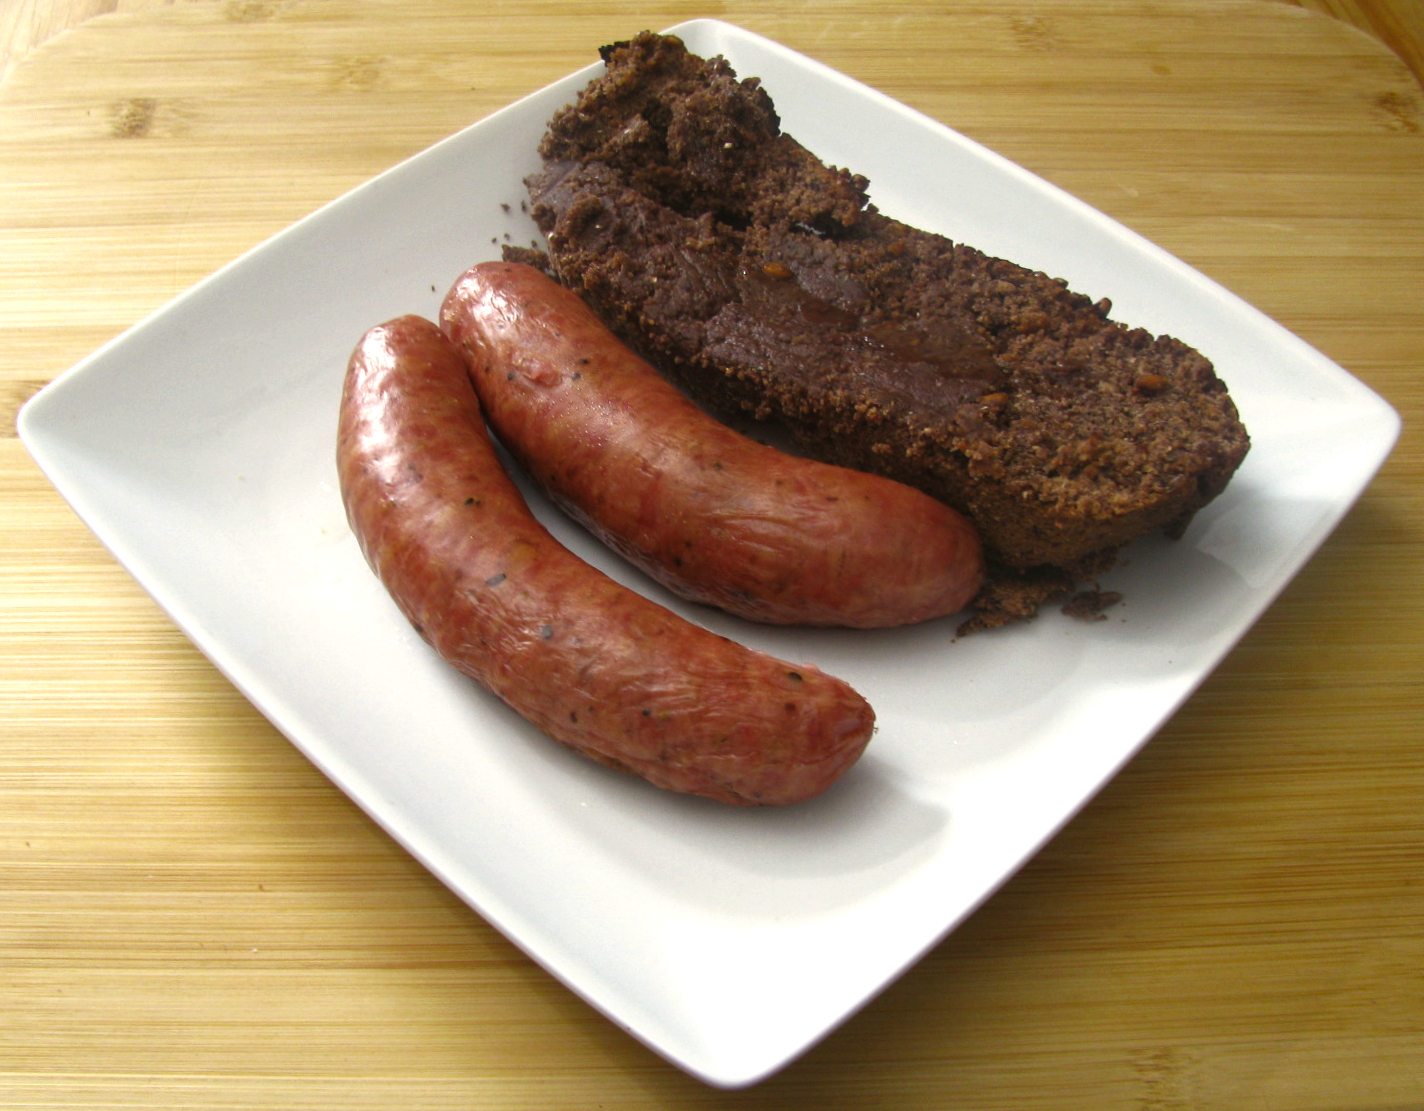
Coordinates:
x,y
712,514
591,663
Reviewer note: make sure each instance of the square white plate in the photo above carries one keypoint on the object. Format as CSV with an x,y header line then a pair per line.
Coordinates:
x,y
199,447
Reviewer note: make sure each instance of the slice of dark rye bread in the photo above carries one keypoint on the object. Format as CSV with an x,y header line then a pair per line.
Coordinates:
x,y
764,283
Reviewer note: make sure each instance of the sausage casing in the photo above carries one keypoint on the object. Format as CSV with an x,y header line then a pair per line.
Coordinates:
x,y
592,663
710,513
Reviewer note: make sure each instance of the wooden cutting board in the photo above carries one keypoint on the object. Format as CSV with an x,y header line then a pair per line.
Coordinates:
x,y
192,916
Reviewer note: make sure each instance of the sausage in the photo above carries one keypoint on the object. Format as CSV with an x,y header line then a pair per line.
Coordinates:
x,y
708,512
592,663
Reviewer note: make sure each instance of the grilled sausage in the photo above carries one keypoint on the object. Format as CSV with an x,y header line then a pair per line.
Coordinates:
x,y
710,513
590,662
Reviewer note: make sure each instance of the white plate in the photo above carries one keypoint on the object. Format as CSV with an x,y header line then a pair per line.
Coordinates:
x,y
199,447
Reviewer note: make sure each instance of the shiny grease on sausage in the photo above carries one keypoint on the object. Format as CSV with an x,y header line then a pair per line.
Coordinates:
x,y
591,663
710,513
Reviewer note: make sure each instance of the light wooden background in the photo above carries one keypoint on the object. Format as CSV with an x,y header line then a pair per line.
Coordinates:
x,y
24,24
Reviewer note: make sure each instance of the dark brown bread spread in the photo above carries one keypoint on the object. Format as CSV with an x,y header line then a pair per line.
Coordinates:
x,y
764,283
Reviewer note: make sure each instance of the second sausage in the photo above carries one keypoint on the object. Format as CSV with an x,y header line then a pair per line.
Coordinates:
x,y
710,513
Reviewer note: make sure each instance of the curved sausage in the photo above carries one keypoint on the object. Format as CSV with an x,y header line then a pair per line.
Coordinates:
x,y
590,662
711,514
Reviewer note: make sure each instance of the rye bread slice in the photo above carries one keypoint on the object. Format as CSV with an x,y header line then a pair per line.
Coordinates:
x,y
765,283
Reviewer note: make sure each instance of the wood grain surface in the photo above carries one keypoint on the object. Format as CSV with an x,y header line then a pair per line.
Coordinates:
x,y
25,24
191,916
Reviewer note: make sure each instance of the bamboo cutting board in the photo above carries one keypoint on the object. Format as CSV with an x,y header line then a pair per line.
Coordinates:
x,y
192,916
